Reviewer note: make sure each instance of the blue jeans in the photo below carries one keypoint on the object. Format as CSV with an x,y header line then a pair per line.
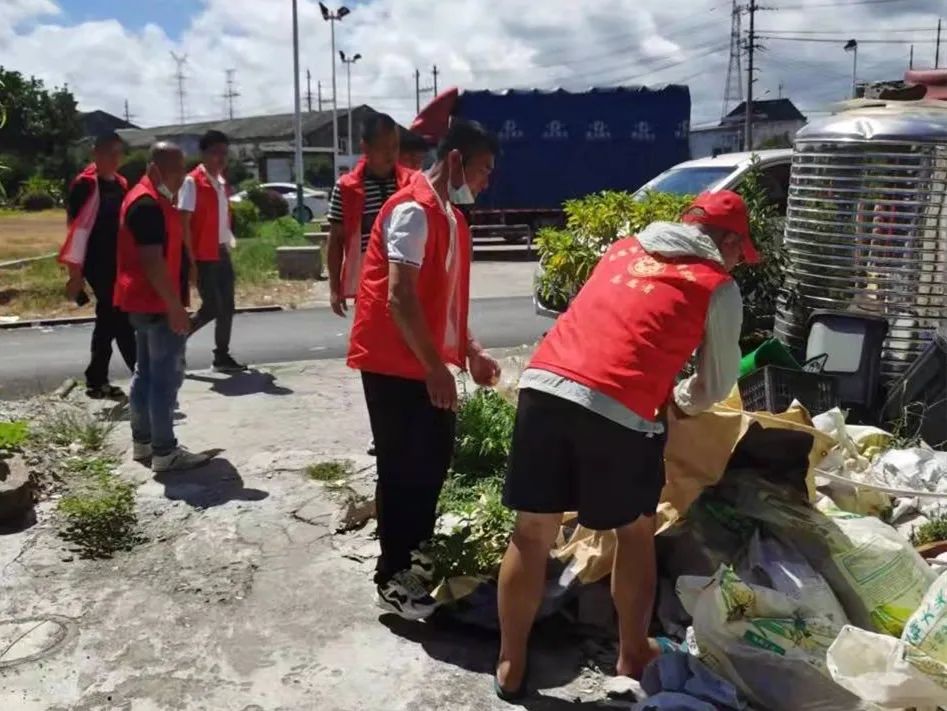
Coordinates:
x,y
159,373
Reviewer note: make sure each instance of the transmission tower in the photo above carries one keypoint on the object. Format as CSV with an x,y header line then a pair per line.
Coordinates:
x,y
230,94
733,89
179,77
128,114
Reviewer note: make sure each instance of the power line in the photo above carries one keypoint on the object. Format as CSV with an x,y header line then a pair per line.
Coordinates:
x,y
230,94
842,39
809,6
179,76
858,31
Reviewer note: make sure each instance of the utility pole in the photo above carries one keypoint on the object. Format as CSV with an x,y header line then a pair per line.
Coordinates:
x,y
937,51
751,52
780,90
309,90
911,58
418,90
179,77
435,72
298,127
230,94
333,17
319,95
128,114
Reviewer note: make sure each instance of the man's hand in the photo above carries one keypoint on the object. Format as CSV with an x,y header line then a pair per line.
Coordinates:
x,y
74,285
339,304
484,369
179,321
442,388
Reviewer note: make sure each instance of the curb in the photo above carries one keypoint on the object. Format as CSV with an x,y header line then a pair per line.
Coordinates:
x,y
81,320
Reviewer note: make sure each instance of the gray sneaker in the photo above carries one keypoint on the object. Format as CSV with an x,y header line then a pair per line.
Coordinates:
x,y
141,451
179,460
404,595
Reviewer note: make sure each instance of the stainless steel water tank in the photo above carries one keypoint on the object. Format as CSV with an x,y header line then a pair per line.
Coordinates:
x,y
866,228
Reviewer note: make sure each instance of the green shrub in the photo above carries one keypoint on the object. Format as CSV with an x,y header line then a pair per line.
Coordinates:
x,y
593,223
74,426
934,531
134,166
270,203
37,202
484,434
37,184
246,219
97,514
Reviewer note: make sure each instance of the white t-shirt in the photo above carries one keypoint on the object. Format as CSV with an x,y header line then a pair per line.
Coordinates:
x,y
406,231
187,201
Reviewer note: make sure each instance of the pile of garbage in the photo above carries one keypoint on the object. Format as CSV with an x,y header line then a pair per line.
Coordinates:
x,y
786,568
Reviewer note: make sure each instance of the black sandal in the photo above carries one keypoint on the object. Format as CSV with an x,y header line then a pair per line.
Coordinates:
x,y
516,694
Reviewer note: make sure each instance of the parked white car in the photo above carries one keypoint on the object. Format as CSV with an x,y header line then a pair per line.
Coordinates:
x,y
315,202
725,172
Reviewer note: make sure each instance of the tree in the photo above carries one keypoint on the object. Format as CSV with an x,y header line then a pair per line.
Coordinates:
x,y
781,141
41,124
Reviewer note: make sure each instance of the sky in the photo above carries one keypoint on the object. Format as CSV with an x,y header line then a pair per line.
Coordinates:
x,y
112,51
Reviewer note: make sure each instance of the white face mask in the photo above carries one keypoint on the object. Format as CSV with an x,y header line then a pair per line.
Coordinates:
x,y
462,195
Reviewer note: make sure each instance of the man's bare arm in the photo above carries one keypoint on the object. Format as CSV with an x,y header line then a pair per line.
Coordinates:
x,y
405,308
335,250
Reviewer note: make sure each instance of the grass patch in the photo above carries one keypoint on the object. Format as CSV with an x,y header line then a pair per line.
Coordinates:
x,y
97,514
254,260
333,473
13,434
36,289
31,234
68,427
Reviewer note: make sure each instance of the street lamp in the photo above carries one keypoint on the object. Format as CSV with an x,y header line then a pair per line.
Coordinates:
x,y
852,46
332,18
348,62
298,128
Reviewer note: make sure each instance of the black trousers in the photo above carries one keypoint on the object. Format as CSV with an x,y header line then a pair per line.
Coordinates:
x,y
215,282
414,442
111,324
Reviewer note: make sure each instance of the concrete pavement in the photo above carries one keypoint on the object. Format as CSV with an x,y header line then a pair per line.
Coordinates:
x,y
243,598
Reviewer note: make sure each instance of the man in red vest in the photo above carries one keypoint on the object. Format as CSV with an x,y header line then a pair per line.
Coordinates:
x,y
95,198
152,287
589,433
356,200
205,210
410,326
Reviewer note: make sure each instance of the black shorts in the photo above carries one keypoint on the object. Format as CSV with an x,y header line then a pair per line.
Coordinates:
x,y
567,458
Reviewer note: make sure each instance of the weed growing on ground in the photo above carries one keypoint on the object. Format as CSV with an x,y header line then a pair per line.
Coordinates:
x,y
13,435
333,474
254,260
475,525
72,426
97,514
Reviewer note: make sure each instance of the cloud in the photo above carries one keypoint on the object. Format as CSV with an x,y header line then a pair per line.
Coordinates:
x,y
514,43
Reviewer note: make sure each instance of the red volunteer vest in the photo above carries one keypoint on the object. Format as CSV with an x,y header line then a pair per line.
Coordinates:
x,y
633,326
376,344
74,249
205,220
352,189
133,290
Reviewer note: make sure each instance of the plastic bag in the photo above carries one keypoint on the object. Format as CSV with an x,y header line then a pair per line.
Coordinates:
x,y
877,575
927,628
769,645
886,671
777,565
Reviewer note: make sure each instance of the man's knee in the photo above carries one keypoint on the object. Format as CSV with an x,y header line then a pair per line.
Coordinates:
x,y
639,532
536,530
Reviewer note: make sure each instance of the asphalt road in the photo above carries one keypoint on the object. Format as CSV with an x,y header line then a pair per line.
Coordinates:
x,y
40,359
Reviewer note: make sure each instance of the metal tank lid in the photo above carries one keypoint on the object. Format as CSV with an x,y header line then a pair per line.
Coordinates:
x,y
895,121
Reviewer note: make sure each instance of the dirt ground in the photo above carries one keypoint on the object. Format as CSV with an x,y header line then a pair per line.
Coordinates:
x,y
31,234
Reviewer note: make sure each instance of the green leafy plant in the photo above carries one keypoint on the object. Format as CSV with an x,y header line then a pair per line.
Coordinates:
x,y
97,514
255,260
484,433
37,202
13,434
134,166
933,531
246,219
569,255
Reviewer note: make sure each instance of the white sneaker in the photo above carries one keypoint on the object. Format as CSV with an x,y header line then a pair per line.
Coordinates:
x,y
179,460
141,451
404,595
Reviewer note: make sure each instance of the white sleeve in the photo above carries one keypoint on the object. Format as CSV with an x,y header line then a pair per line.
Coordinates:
x,y
406,234
718,363
187,195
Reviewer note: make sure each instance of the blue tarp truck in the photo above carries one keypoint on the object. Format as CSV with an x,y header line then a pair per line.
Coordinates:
x,y
557,145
